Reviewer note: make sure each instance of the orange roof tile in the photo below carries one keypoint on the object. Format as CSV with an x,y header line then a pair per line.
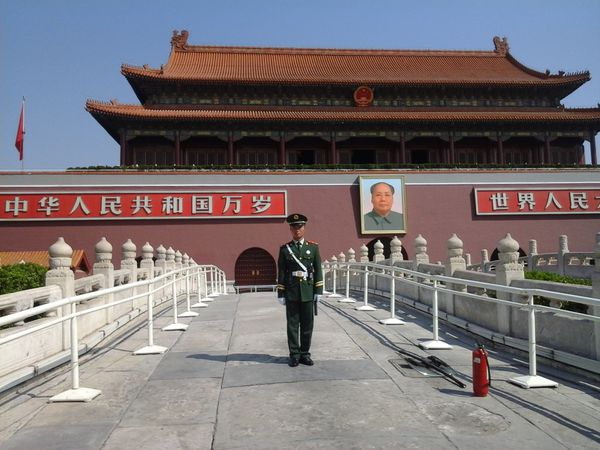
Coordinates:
x,y
78,260
352,66
330,114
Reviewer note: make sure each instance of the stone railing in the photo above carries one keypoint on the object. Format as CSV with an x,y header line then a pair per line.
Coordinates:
x,y
46,339
59,283
574,334
561,262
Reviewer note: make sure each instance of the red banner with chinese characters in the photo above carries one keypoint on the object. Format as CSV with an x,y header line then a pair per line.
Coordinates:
x,y
142,205
563,200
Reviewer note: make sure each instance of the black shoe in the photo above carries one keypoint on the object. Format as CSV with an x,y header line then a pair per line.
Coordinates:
x,y
306,360
293,362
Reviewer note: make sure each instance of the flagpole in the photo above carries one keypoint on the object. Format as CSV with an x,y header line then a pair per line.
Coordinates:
x,y
23,156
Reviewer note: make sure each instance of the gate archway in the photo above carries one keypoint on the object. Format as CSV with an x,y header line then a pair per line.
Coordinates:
x,y
255,266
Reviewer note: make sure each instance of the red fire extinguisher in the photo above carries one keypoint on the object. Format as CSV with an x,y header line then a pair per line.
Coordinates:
x,y
482,379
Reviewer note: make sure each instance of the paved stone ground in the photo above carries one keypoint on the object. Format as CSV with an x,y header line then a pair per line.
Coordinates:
x,y
225,384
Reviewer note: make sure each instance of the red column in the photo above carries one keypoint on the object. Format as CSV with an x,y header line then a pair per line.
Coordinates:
x,y
593,148
500,150
547,149
230,155
333,151
452,154
402,149
123,155
178,158
282,149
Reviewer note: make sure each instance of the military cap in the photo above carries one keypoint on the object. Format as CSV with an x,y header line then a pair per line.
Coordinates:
x,y
294,219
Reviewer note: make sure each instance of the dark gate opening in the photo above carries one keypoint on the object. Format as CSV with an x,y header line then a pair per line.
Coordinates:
x,y
255,267
363,157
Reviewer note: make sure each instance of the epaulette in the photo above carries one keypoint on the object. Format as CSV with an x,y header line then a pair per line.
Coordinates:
x,y
312,242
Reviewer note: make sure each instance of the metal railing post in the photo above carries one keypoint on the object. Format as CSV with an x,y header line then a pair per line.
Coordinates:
x,y
435,343
199,303
366,306
392,320
150,349
347,298
189,312
334,293
76,393
532,380
175,326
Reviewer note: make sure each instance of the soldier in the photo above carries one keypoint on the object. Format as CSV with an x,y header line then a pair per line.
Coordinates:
x,y
300,281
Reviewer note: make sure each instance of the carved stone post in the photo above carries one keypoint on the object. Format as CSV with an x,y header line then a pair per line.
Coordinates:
x,y
351,255
455,262
421,256
60,274
485,258
104,266
532,252
378,256
178,260
507,270
396,250
147,262
364,253
563,249
128,250
161,258
170,259
185,260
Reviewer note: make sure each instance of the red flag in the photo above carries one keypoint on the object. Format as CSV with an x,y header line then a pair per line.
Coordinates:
x,y
21,132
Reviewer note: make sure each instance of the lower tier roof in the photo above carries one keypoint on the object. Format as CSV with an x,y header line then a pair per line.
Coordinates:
x,y
332,114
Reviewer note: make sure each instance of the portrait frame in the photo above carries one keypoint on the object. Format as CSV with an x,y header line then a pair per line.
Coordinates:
x,y
396,222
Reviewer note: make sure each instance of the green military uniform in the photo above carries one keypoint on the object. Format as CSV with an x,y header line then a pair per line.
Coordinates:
x,y
299,286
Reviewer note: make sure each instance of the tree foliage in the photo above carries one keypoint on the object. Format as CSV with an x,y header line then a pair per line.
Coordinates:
x,y
18,277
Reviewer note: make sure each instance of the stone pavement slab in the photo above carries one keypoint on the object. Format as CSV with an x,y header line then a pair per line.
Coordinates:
x,y
225,384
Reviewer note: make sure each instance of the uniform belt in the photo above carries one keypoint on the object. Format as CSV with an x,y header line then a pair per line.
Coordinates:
x,y
299,274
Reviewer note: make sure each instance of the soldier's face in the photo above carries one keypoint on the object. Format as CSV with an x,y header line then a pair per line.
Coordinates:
x,y
382,199
297,231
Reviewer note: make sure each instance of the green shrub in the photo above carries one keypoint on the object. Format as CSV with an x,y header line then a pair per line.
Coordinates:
x,y
547,276
18,277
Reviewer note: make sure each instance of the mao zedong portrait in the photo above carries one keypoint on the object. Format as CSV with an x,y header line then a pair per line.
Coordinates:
x,y
381,217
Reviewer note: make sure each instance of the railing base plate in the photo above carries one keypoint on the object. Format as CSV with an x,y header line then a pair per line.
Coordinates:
x,y
435,345
76,395
347,300
392,321
175,327
365,308
188,314
533,381
150,350
199,305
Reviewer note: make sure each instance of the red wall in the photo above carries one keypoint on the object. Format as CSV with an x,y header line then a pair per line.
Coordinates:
x,y
435,211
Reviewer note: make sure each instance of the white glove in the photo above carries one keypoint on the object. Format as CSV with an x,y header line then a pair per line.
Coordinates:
x,y
281,300
317,298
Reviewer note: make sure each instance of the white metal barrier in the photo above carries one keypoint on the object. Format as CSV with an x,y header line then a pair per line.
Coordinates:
x,y
186,274
437,284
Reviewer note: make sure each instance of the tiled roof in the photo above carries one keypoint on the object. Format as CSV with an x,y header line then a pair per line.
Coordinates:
x,y
323,114
78,260
337,66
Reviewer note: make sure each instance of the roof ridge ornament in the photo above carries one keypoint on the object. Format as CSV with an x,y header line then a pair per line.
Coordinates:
x,y
501,45
179,40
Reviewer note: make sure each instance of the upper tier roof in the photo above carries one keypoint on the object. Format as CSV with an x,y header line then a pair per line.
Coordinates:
x,y
252,65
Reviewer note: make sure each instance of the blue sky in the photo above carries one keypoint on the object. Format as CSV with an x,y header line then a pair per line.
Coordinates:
x,y
58,53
